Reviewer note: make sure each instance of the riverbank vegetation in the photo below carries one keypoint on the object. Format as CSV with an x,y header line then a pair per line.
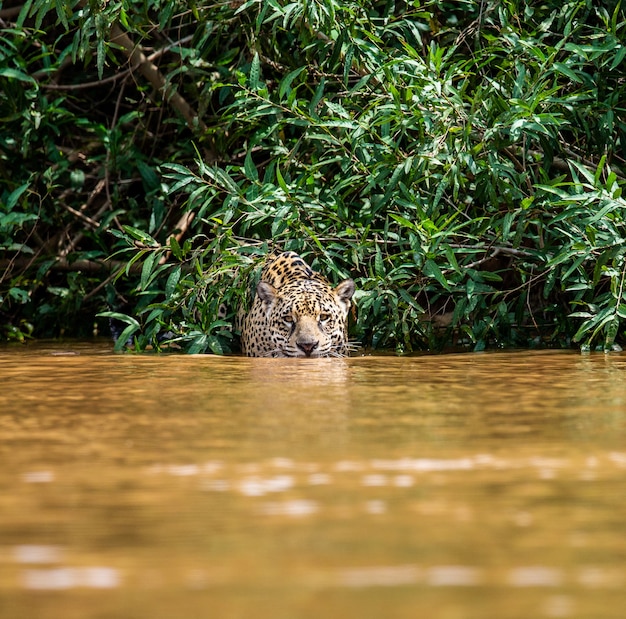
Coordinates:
x,y
462,161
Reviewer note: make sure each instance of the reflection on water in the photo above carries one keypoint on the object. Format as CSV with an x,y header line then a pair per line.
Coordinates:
x,y
452,486
70,577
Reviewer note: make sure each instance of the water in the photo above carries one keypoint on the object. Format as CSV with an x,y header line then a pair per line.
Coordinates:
x,y
447,487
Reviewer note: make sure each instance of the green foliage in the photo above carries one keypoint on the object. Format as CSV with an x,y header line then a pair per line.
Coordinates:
x,y
462,161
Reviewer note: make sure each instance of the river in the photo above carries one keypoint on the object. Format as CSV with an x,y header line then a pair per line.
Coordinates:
x,y
462,486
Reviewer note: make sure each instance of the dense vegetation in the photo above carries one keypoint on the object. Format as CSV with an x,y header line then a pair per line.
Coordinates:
x,y
462,161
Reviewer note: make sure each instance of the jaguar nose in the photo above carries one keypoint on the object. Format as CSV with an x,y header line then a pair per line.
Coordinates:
x,y
307,346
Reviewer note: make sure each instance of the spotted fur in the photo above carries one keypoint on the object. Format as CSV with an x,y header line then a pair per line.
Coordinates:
x,y
296,312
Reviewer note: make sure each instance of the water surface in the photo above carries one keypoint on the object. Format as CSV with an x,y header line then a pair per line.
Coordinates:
x,y
457,486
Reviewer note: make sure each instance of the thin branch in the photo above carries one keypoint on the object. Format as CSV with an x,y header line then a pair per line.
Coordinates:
x,y
112,78
139,61
63,264
85,218
93,222
495,252
11,12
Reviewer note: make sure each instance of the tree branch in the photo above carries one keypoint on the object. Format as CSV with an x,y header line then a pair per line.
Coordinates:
x,y
138,61
63,264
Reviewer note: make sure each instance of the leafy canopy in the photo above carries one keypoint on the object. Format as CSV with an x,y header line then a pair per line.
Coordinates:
x,y
462,161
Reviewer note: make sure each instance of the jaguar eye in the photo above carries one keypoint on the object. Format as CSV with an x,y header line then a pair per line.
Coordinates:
x,y
288,319
324,317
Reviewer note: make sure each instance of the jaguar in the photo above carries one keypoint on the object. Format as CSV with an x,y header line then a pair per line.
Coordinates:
x,y
296,312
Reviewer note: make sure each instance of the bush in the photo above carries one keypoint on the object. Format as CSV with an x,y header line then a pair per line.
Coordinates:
x,y
462,161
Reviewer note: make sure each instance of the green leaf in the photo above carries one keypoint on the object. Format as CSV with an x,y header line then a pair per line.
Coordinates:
x,y
610,332
100,55
403,221
146,270
129,320
175,248
17,75
148,175
347,66
198,345
255,70
124,337
410,300
15,195
215,345
141,236
431,269
284,89
249,167
559,67
19,294
619,57
281,181
317,97
379,267
172,281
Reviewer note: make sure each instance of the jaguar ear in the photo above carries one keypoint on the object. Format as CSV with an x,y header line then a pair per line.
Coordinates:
x,y
268,295
343,293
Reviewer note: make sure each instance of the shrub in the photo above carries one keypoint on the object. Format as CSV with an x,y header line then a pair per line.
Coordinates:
x,y
463,161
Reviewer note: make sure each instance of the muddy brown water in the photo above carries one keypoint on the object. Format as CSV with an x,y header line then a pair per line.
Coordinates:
x,y
443,487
